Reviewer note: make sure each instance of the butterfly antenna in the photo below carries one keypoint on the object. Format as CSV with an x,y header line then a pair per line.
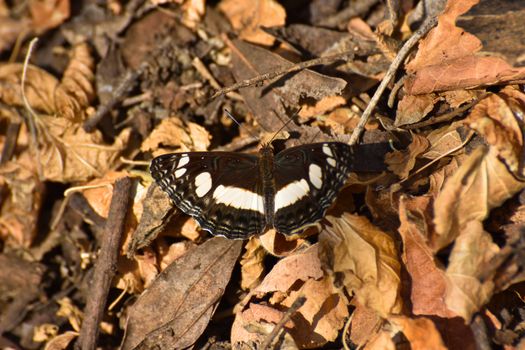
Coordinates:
x,y
239,124
284,125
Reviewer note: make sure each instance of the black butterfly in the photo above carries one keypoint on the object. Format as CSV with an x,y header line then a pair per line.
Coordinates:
x,y
237,195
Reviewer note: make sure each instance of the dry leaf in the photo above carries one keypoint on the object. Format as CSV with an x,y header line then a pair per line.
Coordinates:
x,y
22,202
76,91
173,133
364,325
420,332
48,14
495,117
412,109
473,249
365,261
402,162
249,17
252,264
481,183
428,281
448,58
61,341
175,310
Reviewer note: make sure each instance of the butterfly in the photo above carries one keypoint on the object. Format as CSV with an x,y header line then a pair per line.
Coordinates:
x,y
238,195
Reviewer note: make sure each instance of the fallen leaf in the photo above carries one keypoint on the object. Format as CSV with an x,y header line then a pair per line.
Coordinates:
x,y
252,264
61,341
412,109
403,161
448,58
420,332
495,117
481,183
428,280
48,14
364,260
365,324
175,310
248,18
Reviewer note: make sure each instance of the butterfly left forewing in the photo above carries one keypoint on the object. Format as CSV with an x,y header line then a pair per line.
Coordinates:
x,y
307,180
218,189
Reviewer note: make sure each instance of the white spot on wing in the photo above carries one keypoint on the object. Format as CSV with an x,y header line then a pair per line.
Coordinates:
x,y
316,175
183,161
331,161
238,198
202,183
290,194
180,172
327,150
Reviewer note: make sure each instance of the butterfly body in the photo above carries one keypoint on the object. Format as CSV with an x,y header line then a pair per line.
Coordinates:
x,y
237,195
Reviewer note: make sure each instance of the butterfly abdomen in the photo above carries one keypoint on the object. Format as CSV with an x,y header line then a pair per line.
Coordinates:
x,y
266,171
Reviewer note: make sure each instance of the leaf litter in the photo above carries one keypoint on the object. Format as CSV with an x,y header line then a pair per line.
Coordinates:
x,y
423,248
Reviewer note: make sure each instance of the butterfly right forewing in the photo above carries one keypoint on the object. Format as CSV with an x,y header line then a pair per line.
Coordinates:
x,y
221,190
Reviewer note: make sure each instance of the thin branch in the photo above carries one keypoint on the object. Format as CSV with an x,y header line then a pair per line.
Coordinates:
x,y
286,317
284,70
429,23
105,267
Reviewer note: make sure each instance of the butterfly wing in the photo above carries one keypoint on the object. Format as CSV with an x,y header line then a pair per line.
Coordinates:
x,y
221,190
307,181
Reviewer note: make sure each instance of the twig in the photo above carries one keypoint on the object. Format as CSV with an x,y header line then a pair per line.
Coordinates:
x,y
284,70
428,24
106,265
286,317
32,115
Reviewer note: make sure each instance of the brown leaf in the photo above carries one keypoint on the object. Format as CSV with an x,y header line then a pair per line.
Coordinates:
x,y
365,261
481,183
473,249
364,325
252,264
420,332
495,117
72,155
402,162
448,59
428,281
76,91
174,134
248,18
48,14
61,341
22,202
412,109
319,319
176,309
443,140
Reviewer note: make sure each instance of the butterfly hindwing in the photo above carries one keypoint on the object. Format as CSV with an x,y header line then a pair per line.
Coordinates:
x,y
221,190
307,181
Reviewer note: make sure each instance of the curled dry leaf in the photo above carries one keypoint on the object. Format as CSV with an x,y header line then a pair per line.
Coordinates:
x,y
72,155
443,140
448,58
411,109
316,322
428,281
248,18
481,183
173,133
22,202
495,117
177,307
252,264
48,14
61,341
402,162
365,261
467,292
76,91
420,332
